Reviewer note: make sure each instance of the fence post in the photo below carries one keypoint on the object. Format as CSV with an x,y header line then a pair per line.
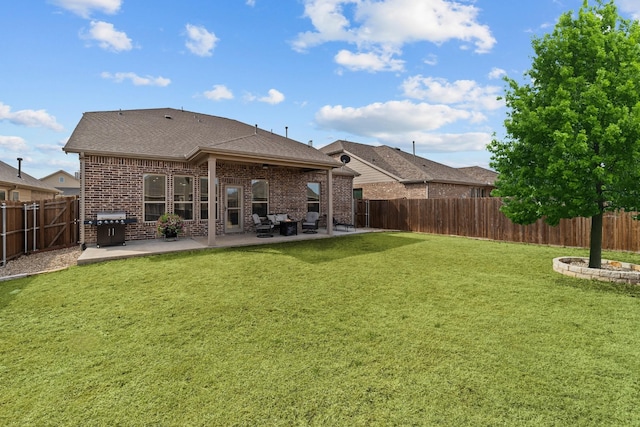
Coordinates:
x,y
35,227
25,215
366,213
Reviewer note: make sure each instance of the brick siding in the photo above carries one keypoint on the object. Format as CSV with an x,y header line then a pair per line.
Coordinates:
x,y
396,190
116,184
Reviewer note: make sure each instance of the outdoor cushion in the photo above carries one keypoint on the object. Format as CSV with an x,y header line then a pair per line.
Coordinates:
x,y
272,218
281,217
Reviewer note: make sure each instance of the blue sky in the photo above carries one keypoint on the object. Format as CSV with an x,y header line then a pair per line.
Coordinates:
x,y
372,71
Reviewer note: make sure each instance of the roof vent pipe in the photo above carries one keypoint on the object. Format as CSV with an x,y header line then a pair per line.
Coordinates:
x,y
19,167
256,129
414,148
286,131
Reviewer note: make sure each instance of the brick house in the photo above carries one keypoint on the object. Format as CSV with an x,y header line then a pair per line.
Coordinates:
x,y
151,161
384,172
18,186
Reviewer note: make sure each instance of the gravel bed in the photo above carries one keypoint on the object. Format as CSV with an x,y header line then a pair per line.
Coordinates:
x,y
39,262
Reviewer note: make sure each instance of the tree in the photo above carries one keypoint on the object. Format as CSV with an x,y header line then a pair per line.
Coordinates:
x,y
572,144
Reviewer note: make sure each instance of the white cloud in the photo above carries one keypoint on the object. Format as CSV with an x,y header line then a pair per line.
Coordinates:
x,y
251,2
389,117
631,7
13,143
84,8
401,122
440,142
387,25
29,118
58,146
274,97
497,73
50,148
219,92
108,37
136,80
368,61
431,60
462,93
436,21
200,41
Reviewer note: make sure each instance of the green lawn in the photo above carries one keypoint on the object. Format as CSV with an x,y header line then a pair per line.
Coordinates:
x,y
371,329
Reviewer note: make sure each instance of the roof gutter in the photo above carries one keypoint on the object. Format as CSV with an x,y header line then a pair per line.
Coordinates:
x,y
197,154
439,181
201,154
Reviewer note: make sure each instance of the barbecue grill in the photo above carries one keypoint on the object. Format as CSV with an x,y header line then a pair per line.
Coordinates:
x,y
111,227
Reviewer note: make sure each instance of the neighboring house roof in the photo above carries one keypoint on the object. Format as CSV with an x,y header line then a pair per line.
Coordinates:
x,y
170,134
9,177
486,176
403,167
60,172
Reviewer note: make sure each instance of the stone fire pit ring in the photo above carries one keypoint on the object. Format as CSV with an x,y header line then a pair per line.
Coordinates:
x,y
611,271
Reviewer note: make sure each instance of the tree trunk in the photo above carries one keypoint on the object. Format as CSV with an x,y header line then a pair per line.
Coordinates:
x,y
595,249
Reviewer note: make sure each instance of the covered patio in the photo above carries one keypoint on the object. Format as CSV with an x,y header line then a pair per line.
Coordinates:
x,y
134,248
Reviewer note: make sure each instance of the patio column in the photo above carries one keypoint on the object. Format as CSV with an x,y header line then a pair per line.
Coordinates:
x,y
211,235
330,202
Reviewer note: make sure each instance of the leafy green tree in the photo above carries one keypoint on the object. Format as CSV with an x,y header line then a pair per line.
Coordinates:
x,y
572,144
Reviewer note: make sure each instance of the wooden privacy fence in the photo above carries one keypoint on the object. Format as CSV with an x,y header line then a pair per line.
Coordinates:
x,y
481,217
38,225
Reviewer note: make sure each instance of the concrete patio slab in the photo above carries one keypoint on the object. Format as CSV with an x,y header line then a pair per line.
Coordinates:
x,y
134,248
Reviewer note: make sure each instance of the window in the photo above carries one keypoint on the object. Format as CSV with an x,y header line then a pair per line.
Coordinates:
x,y
204,198
155,196
313,197
183,196
478,192
357,193
260,197
3,195
61,179
15,196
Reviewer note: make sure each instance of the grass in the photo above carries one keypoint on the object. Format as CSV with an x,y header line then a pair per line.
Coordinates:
x,y
372,329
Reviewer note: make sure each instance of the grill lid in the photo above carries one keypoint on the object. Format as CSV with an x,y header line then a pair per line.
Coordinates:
x,y
104,216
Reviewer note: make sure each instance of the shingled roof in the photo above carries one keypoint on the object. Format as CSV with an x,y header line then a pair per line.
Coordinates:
x,y
486,176
405,167
170,134
9,175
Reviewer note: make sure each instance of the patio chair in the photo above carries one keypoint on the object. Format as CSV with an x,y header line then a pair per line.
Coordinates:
x,y
310,223
346,225
263,228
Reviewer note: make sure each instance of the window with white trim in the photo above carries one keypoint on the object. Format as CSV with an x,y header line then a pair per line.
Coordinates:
x,y
183,196
313,197
154,196
260,197
204,198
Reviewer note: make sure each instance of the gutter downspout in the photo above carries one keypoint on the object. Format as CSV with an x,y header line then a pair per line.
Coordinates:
x,y
330,202
83,182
